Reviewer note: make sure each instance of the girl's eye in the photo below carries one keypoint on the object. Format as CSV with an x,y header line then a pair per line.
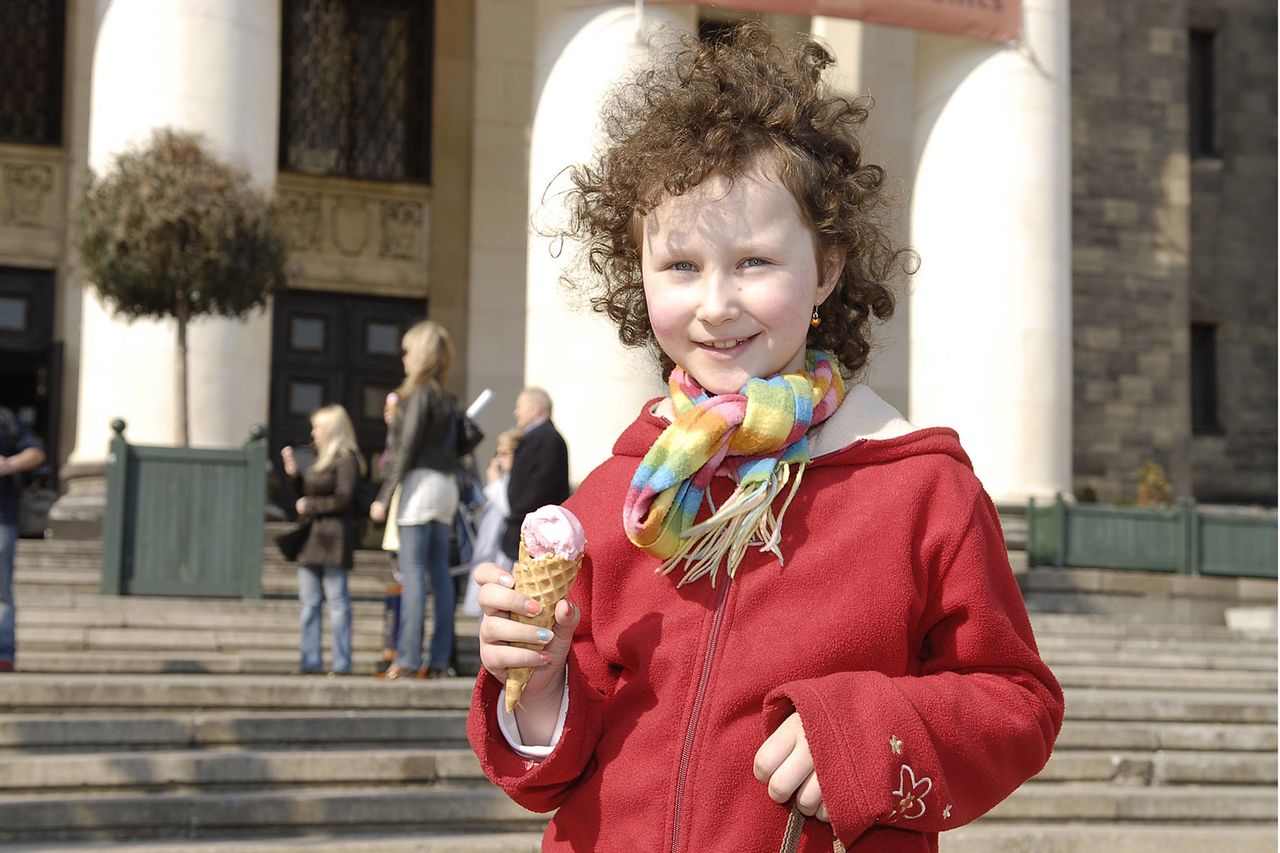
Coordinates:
x,y
754,262
683,266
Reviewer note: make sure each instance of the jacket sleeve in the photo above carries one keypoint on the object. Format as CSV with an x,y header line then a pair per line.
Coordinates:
x,y
541,786
412,419
537,473
935,750
345,473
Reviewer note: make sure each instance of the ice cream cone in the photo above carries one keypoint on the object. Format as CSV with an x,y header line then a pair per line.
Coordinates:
x,y
546,579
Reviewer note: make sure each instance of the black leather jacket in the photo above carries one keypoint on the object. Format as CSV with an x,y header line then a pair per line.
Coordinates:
x,y
421,437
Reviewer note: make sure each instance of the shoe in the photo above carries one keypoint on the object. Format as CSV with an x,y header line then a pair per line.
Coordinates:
x,y
6,666
436,672
395,672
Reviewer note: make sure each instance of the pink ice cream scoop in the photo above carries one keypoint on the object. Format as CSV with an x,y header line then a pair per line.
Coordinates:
x,y
553,530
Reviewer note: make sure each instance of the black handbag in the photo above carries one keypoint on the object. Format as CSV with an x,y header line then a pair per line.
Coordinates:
x,y
291,541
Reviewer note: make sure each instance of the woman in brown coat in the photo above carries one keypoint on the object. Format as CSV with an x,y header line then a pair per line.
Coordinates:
x,y
327,489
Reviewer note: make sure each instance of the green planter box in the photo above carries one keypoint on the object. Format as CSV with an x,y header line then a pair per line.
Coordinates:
x,y
1183,539
184,521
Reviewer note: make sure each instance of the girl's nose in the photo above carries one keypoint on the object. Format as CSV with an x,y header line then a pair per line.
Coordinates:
x,y
718,300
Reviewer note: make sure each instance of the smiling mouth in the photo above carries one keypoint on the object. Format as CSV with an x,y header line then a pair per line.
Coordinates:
x,y
732,343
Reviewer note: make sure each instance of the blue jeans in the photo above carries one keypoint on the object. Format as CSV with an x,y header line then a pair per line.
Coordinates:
x,y
424,554
8,542
317,584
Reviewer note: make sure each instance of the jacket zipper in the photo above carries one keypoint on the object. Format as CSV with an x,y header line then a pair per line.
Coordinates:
x,y
686,753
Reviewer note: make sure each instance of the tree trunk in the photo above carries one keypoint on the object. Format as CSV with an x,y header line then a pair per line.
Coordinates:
x,y
180,373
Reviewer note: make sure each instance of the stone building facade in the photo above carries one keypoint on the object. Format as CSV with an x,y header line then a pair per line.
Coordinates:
x,y
1174,262
1105,262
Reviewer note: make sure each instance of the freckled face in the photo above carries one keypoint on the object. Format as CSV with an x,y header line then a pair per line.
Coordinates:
x,y
731,280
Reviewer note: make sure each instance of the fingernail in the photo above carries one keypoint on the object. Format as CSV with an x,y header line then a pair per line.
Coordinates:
x,y
507,580
544,635
533,607
545,658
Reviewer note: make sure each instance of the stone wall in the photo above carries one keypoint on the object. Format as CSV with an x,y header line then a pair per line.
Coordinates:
x,y
1233,253
1137,201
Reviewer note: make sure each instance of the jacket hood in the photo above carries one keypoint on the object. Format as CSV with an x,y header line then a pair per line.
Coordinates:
x,y
865,430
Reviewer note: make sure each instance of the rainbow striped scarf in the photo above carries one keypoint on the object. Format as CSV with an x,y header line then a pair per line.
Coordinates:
x,y
755,436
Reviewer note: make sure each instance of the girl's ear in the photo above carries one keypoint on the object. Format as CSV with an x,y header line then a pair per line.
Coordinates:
x,y
832,266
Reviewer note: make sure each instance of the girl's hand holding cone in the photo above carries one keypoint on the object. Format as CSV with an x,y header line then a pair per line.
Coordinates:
x,y
539,705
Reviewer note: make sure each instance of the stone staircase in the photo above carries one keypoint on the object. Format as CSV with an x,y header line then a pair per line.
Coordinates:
x,y
170,724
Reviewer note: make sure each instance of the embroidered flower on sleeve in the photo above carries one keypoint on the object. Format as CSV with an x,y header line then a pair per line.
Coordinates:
x,y
910,794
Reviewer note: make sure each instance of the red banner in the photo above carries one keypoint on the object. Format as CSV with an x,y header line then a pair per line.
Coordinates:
x,y
993,20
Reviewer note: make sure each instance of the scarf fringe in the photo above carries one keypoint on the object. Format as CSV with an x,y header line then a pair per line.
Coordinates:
x,y
745,519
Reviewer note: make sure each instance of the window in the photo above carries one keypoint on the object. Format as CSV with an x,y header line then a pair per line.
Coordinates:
x,y
1204,379
1200,100
31,68
356,88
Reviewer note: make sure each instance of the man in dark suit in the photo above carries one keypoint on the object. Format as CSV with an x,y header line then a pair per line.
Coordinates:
x,y
540,469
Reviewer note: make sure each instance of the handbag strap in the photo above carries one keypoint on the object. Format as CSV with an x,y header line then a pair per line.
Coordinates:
x,y
795,826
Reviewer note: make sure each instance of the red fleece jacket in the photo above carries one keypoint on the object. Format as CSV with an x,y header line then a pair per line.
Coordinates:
x,y
895,629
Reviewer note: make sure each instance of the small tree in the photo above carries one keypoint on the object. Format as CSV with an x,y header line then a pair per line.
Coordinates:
x,y
171,231
1153,485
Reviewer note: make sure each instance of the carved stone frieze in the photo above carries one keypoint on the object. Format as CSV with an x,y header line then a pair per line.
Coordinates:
x,y
355,236
401,229
300,220
26,193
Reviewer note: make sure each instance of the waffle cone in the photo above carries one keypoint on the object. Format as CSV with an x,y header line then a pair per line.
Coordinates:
x,y
546,579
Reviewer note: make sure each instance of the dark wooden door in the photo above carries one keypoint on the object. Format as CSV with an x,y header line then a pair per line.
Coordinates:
x,y
334,348
30,360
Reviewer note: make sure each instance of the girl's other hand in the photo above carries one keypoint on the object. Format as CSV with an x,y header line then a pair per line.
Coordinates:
x,y
377,512
540,701
784,763
301,506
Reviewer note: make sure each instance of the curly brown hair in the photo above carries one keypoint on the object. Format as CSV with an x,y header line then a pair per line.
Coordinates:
x,y
729,107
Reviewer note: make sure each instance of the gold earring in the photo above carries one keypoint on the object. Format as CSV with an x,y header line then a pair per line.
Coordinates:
x,y
815,321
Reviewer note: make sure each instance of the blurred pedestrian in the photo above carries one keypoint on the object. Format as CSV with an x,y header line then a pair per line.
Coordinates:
x,y
327,488
540,468
20,451
429,435
493,516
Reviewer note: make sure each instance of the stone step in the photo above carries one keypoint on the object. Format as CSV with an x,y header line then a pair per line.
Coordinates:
x,y
980,837
88,730
151,730
395,762
417,842
1160,768
1153,735
1160,706
241,769
25,692
1141,678
30,693
1090,802
315,810
987,836
280,616
158,814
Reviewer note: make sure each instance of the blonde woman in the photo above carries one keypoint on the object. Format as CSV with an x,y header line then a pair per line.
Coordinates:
x,y
327,489
428,436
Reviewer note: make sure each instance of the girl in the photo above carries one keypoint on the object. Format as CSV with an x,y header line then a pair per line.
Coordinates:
x,y
326,556
795,623
428,436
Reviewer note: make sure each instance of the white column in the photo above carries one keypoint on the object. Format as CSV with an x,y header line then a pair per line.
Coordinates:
x,y
597,385
213,67
880,62
991,218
